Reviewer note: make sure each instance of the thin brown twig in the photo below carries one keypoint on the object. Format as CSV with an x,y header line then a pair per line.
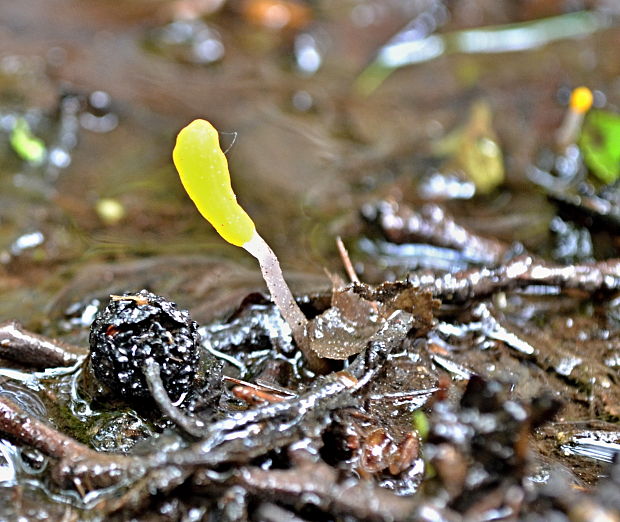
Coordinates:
x,y
260,386
346,260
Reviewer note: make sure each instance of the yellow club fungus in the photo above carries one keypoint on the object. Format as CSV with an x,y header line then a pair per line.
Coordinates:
x,y
581,100
203,169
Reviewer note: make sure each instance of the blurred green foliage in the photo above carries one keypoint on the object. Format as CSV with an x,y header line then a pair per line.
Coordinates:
x,y
26,145
600,144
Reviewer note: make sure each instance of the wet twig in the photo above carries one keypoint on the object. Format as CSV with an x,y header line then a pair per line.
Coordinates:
x,y
190,425
26,428
521,272
387,339
36,350
248,434
319,483
154,482
401,224
325,394
488,326
235,440
78,463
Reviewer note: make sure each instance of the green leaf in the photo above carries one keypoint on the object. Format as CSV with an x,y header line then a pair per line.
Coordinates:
x,y
600,144
27,146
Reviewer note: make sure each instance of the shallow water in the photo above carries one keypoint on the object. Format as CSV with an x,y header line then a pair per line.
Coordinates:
x,y
301,173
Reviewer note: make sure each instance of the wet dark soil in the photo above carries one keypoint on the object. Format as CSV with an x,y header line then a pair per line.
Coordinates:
x,y
484,382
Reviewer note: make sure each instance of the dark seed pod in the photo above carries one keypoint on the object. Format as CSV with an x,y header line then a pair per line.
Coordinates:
x,y
136,328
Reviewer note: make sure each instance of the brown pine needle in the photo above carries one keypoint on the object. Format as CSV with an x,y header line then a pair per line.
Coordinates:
x,y
346,260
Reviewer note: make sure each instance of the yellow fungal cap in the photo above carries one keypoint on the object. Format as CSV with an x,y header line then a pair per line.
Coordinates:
x,y
581,100
203,169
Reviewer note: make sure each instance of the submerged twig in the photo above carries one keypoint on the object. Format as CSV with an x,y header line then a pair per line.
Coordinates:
x,y
78,463
400,224
36,350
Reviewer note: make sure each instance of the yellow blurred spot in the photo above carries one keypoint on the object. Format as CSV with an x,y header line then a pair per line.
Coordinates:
x,y
110,211
277,14
581,100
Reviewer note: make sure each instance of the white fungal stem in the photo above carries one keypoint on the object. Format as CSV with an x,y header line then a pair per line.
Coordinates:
x,y
568,132
283,298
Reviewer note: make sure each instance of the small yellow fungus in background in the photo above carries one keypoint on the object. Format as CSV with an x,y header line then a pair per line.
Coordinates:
x,y
581,100
203,169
